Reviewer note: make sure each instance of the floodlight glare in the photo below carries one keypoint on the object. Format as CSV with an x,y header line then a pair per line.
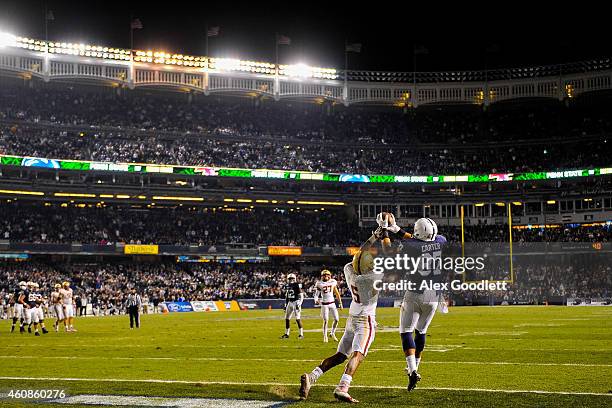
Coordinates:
x,y
7,40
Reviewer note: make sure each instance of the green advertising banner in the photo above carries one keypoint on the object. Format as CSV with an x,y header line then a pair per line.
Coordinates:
x,y
37,162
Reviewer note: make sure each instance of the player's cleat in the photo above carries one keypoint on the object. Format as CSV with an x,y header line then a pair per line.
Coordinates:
x,y
21,329
44,330
344,396
305,386
29,329
325,340
12,329
36,333
300,337
333,336
413,379
284,336
56,328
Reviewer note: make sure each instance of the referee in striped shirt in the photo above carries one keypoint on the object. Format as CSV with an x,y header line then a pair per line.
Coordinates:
x,y
133,305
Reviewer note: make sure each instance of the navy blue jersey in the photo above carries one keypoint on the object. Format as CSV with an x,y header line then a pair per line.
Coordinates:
x,y
33,299
292,291
17,295
430,254
26,295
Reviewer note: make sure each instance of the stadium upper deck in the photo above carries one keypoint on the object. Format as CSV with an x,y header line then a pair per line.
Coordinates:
x,y
136,68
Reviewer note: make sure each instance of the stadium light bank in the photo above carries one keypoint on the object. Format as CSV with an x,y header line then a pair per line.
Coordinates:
x,y
7,40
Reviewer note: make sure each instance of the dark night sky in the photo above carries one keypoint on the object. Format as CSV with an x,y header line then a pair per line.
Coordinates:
x,y
455,36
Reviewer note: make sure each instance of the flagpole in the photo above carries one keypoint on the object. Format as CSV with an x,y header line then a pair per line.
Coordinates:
x,y
276,48
206,33
414,69
46,23
131,32
345,62
276,80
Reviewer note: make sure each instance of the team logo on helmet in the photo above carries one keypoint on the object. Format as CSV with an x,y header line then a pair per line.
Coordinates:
x,y
363,262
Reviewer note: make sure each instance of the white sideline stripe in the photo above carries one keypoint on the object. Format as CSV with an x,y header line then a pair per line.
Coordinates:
x,y
391,387
144,401
305,360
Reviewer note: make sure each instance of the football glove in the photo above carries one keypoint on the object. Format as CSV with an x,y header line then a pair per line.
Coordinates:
x,y
393,227
382,221
379,233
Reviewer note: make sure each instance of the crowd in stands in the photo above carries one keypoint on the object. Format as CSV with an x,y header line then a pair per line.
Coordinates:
x,y
173,226
117,146
236,133
182,225
105,286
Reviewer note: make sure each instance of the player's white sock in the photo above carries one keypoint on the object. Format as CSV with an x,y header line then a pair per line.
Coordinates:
x,y
412,365
345,382
324,329
287,331
315,374
301,331
417,361
334,327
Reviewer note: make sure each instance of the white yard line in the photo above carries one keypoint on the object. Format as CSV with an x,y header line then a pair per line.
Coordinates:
x,y
305,360
449,347
392,387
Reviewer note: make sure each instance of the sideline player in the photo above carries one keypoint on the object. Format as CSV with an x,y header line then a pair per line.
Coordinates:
x,y
35,313
67,300
325,290
418,306
360,325
56,305
294,296
18,300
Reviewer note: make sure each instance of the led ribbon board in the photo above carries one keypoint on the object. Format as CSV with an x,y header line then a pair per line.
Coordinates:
x,y
57,164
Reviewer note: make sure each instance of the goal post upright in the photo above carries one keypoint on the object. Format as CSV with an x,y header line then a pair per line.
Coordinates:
x,y
510,241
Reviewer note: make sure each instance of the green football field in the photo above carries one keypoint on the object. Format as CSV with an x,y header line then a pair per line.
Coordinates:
x,y
475,356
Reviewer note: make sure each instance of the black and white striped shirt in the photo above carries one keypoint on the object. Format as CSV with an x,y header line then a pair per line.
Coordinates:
x,y
134,300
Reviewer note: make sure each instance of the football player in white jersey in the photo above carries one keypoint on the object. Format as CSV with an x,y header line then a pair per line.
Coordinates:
x,y
325,291
56,305
66,293
360,325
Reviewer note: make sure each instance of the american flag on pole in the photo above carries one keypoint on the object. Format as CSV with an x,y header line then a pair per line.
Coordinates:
x,y
283,40
213,31
136,24
355,47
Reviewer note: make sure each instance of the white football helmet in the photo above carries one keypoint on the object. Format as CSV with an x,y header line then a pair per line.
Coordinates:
x,y
22,285
291,276
425,229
